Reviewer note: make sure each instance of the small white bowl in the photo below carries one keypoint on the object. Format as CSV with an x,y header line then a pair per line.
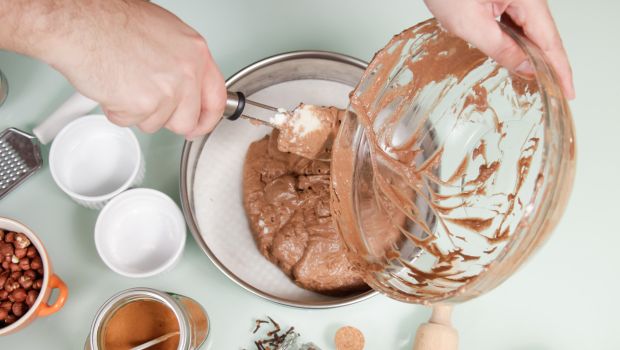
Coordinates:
x,y
140,233
93,160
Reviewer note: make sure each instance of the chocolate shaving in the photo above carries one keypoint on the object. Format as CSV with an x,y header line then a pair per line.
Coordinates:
x,y
275,338
258,324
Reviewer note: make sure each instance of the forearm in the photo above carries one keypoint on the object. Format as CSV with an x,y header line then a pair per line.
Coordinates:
x,y
142,64
44,28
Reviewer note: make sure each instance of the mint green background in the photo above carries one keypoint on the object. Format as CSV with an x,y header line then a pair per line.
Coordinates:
x,y
564,298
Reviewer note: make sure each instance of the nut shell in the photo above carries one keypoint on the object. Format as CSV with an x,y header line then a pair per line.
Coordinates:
x,y
31,297
9,237
3,277
31,252
21,241
36,263
6,249
31,273
10,319
25,281
18,295
19,309
38,284
24,263
10,285
20,252
6,305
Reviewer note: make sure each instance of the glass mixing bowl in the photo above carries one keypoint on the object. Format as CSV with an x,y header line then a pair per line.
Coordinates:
x,y
448,170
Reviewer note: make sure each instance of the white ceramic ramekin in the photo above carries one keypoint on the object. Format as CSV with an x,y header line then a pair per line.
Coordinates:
x,y
140,233
93,160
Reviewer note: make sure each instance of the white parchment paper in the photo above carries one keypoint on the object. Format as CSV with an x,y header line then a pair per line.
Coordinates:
x,y
218,195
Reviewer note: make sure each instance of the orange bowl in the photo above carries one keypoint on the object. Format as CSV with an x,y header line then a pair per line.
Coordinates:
x,y
41,306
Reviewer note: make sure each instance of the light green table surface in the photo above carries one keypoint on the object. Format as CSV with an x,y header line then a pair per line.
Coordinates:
x,y
566,297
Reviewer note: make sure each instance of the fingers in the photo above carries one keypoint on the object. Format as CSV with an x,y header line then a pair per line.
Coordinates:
x,y
117,119
158,119
538,25
185,116
475,22
196,113
213,102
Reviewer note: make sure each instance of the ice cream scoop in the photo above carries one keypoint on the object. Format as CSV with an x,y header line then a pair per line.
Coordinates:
x,y
304,131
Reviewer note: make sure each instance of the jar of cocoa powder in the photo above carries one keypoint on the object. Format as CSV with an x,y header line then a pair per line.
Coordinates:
x,y
136,316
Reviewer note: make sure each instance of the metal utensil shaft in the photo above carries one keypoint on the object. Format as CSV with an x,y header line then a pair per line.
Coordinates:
x,y
236,103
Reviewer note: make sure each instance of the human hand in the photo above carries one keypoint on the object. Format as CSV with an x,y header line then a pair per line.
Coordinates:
x,y
474,21
144,66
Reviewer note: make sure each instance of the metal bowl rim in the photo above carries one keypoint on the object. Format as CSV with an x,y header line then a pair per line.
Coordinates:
x,y
183,190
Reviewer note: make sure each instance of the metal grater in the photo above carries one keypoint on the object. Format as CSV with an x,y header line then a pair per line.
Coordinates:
x,y
20,157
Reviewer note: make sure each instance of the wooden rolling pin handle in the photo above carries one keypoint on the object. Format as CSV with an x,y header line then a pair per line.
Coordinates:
x,y
438,333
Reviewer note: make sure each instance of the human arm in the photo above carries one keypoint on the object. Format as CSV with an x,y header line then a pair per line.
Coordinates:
x,y
140,62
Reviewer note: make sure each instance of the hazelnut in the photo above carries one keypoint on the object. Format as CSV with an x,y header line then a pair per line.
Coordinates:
x,y
19,309
38,284
10,319
6,249
14,259
3,314
14,267
36,263
20,252
31,297
4,295
3,277
25,281
5,265
31,274
40,271
21,241
31,252
16,275
9,237
10,285
6,305
24,263
18,295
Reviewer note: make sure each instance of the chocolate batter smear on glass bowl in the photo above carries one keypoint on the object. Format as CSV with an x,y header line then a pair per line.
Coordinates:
x,y
287,200
479,161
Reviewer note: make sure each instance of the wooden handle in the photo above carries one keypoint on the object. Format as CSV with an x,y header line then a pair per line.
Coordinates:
x,y
438,333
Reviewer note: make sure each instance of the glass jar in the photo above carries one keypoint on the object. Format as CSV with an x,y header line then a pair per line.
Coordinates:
x,y
192,318
449,171
4,88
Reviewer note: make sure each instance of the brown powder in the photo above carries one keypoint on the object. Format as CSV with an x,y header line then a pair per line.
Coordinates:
x,y
139,322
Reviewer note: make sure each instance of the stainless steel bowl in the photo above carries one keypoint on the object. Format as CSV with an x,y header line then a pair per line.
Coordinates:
x,y
316,65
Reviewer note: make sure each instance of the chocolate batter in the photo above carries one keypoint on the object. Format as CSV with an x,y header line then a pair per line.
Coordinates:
x,y
308,129
287,200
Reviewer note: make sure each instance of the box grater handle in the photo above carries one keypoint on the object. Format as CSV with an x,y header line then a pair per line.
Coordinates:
x,y
76,106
